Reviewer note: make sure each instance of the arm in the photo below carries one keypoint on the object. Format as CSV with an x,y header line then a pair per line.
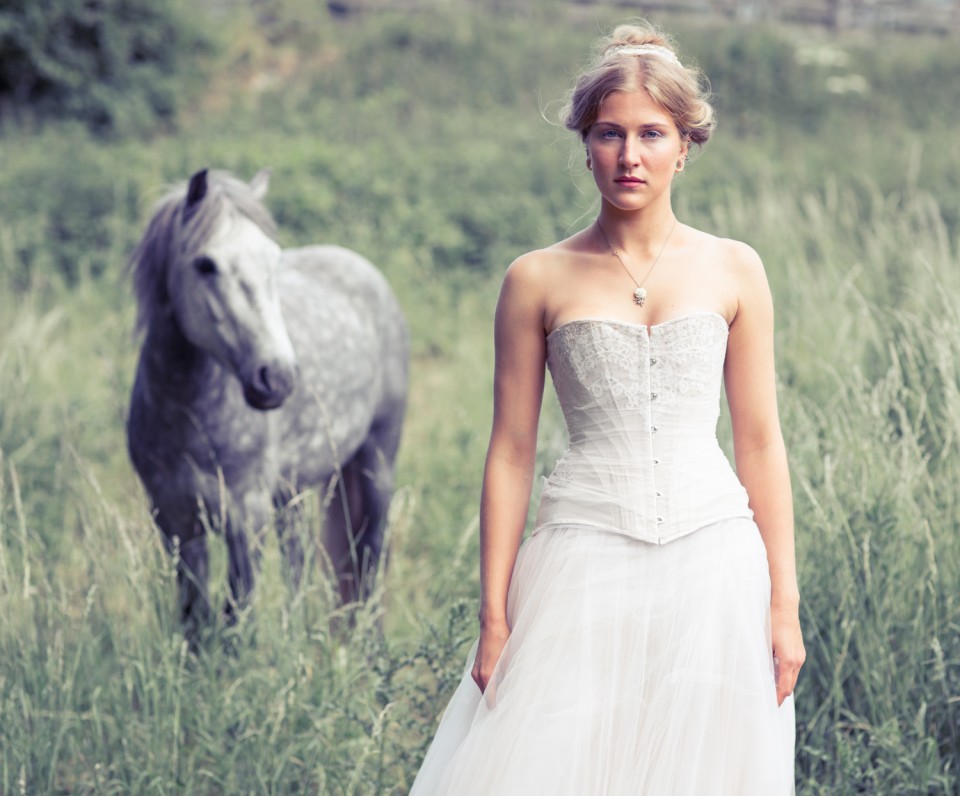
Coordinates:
x,y
761,457
508,475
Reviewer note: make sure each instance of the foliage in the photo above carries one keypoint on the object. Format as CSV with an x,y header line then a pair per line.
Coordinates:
x,y
113,64
418,139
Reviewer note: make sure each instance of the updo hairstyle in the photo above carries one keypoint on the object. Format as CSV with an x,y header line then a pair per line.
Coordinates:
x,y
681,90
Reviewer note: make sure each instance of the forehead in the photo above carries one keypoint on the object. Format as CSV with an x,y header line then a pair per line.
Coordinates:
x,y
235,233
632,108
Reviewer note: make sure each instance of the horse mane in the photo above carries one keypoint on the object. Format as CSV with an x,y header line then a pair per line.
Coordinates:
x,y
170,227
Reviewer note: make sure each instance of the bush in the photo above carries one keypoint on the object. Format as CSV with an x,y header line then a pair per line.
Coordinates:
x,y
116,65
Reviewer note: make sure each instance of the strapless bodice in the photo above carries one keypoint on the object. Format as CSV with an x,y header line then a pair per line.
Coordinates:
x,y
641,406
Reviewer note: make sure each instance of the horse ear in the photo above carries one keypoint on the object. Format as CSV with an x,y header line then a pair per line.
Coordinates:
x,y
261,183
197,188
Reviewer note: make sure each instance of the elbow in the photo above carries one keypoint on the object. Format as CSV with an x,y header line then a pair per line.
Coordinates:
x,y
759,444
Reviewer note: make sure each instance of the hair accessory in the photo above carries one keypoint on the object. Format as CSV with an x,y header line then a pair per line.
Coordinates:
x,y
645,49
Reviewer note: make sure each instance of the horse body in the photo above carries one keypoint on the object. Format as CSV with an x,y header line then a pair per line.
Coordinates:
x,y
262,372
355,333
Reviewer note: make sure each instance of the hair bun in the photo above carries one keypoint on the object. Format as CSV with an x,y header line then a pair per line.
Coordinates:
x,y
635,36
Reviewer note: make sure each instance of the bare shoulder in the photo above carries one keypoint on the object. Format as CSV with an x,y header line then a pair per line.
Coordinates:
x,y
740,259
746,271
524,289
534,280
529,268
534,271
526,278
539,263
741,271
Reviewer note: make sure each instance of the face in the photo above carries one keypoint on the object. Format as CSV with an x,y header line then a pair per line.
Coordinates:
x,y
226,303
633,148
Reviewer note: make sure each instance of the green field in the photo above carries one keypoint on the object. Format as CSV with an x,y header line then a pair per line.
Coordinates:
x,y
427,141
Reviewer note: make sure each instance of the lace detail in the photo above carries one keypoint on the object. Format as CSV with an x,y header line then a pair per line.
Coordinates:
x,y
605,357
563,475
562,472
604,363
690,357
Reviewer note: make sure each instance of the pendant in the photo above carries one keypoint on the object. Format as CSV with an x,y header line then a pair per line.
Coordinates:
x,y
639,295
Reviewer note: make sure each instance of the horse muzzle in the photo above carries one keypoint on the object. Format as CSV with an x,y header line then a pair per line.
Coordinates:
x,y
270,385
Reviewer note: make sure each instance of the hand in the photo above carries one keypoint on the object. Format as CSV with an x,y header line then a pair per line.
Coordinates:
x,y
788,651
493,638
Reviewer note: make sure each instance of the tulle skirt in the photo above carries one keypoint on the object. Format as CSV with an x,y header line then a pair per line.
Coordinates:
x,y
631,670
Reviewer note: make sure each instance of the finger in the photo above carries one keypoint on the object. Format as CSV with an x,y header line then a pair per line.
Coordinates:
x,y
783,691
786,683
478,679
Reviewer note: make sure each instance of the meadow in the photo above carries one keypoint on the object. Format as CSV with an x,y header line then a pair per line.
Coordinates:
x,y
426,142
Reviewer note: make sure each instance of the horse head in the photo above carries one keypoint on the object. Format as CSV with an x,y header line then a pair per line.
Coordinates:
x,y
209,259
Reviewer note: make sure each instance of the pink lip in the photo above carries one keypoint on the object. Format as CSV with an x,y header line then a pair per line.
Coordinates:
x,y
629,180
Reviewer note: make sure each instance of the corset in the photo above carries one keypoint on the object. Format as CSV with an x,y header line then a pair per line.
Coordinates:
x,y
641,406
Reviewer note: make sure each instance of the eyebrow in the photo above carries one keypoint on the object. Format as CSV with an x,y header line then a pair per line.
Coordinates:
x,y
644,126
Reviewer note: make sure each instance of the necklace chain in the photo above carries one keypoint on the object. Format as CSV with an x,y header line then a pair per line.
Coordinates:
x,y
640,294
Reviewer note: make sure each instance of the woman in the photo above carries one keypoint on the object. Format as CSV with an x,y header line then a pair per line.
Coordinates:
x,y
646,638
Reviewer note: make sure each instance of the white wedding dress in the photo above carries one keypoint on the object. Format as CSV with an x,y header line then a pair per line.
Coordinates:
x,y
639,661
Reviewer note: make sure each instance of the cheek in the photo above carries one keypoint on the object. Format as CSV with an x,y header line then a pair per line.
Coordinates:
x,y
668,157
602,156
199,305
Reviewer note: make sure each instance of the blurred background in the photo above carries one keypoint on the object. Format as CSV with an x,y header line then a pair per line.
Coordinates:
x,y
425,136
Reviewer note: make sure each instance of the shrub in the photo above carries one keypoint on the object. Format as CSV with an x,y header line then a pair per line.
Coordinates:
x,y
116,65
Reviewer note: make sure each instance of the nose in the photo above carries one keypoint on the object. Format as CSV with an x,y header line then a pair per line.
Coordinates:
x,y
629,152
271,384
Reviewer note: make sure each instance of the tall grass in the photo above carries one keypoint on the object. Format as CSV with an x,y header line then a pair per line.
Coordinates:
x,y
419,141
871,410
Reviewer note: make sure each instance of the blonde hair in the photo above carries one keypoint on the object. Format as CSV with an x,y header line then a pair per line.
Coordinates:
x,y
638,57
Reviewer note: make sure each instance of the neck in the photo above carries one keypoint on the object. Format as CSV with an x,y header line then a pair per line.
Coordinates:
x,y
173,367
637,231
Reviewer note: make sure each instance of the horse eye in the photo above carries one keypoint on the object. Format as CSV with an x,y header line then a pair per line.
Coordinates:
x,y
205,266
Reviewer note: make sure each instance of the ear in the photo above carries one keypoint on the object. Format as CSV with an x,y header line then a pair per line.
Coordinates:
x,y
197,188
260,183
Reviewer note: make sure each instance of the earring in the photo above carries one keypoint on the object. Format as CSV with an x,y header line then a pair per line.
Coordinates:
x,y
681,163
589,165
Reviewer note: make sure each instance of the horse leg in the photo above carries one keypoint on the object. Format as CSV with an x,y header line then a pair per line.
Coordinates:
x,y
376,484
289,520
377,456
356,518
192,574
241,568
344,507
246,520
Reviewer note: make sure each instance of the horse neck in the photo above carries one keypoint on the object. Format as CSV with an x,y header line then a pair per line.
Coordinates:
x,y
177,370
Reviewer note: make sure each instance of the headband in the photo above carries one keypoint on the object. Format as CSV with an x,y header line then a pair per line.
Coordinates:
x,y
645,49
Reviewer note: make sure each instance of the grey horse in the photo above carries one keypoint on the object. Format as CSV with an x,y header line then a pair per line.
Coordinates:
x,y
262,371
